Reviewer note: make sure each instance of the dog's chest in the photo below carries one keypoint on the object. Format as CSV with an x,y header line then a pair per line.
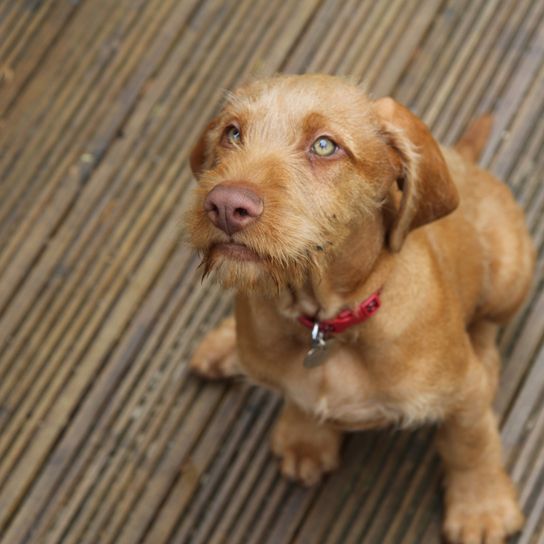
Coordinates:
x,y
357,387
342,391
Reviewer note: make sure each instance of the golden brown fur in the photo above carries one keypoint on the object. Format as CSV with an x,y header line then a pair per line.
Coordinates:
x,y
391,210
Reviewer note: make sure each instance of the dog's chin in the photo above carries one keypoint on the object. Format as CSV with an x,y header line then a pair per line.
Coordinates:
x,y
236,266
234,252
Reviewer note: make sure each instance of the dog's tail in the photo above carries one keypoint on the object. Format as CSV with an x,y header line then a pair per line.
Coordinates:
x,y
473,141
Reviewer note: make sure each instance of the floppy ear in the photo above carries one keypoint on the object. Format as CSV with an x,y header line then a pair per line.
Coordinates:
x,y
200,159
428,191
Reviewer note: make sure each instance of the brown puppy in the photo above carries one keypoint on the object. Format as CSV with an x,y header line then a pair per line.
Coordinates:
x,y
313,198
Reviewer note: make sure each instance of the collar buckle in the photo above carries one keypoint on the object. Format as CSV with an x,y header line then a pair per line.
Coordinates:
x,y
345,319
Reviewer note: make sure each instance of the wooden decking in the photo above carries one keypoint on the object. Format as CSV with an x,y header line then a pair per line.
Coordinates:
x,y
104,437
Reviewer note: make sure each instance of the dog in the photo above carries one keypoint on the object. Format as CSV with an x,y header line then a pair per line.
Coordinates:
x,y
372,269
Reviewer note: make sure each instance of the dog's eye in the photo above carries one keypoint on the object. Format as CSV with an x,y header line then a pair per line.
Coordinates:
x,y
233,135
324,147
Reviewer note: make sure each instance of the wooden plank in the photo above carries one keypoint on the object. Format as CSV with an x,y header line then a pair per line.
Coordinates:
x,y
365,479
221,486
384,74
116,113
526,69
365,45
21,475
43,108
534,525
18,22
291,513
69,457
482,61
320,517
110,460
373,518
528,117
256,500
493,76
274,498
420,94
424,66
206,467
342,23
321,36
420,481
521,432
119,415
524,351
396,46
388,506
80,338
470,42
81,114
29,53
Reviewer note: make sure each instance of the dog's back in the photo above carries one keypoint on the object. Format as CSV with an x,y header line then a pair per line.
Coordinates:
x,y
506,250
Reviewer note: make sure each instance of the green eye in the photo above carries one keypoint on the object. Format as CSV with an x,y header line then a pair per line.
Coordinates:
x,y
324,147
233,135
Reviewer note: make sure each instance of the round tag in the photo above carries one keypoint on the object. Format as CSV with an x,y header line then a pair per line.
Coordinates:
x,y
317,355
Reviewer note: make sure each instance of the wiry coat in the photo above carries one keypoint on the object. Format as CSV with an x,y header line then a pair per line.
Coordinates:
x,y
441,239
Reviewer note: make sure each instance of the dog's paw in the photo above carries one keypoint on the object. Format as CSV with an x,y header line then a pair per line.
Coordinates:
x,y
301,463
216,356
306,451
481,510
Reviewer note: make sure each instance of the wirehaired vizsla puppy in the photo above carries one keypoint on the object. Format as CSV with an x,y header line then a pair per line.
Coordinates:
x,y
372,268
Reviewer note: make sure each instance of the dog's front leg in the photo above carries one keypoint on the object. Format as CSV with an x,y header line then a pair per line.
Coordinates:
x,y
216,356
480,499
307,448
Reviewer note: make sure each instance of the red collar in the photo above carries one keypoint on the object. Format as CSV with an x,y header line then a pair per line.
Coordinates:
x,y
346,318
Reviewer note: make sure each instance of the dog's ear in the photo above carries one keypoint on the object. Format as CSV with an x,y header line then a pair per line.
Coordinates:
x,y
200,159
428,191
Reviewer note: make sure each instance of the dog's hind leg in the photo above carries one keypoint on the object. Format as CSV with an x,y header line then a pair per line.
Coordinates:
x,y
483,337
216,357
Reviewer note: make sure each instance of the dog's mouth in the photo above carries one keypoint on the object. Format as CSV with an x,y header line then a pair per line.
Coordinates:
x,y
236,265
235,251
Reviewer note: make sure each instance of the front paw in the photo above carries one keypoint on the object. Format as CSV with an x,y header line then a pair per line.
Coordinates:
x,y
481,508
216,357
306,452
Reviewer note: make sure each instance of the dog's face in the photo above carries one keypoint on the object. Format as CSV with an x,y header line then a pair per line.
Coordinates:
x,y
290,167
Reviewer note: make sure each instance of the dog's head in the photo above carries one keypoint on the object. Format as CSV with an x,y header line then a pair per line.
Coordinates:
x,y
293,165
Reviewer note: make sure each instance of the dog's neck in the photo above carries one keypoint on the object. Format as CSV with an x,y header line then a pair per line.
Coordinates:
x,y
348,274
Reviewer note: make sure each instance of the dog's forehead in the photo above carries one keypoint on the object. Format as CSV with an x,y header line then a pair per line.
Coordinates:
x,y
287,101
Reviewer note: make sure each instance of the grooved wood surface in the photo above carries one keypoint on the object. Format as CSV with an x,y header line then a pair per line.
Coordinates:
x,y
104,436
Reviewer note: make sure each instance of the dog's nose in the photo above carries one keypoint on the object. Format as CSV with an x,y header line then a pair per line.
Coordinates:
x,y
232,208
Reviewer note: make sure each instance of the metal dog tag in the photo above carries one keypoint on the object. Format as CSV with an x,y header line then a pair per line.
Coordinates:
x,y
319,351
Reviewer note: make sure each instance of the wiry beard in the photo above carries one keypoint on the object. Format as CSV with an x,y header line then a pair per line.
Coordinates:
x,y
266,275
